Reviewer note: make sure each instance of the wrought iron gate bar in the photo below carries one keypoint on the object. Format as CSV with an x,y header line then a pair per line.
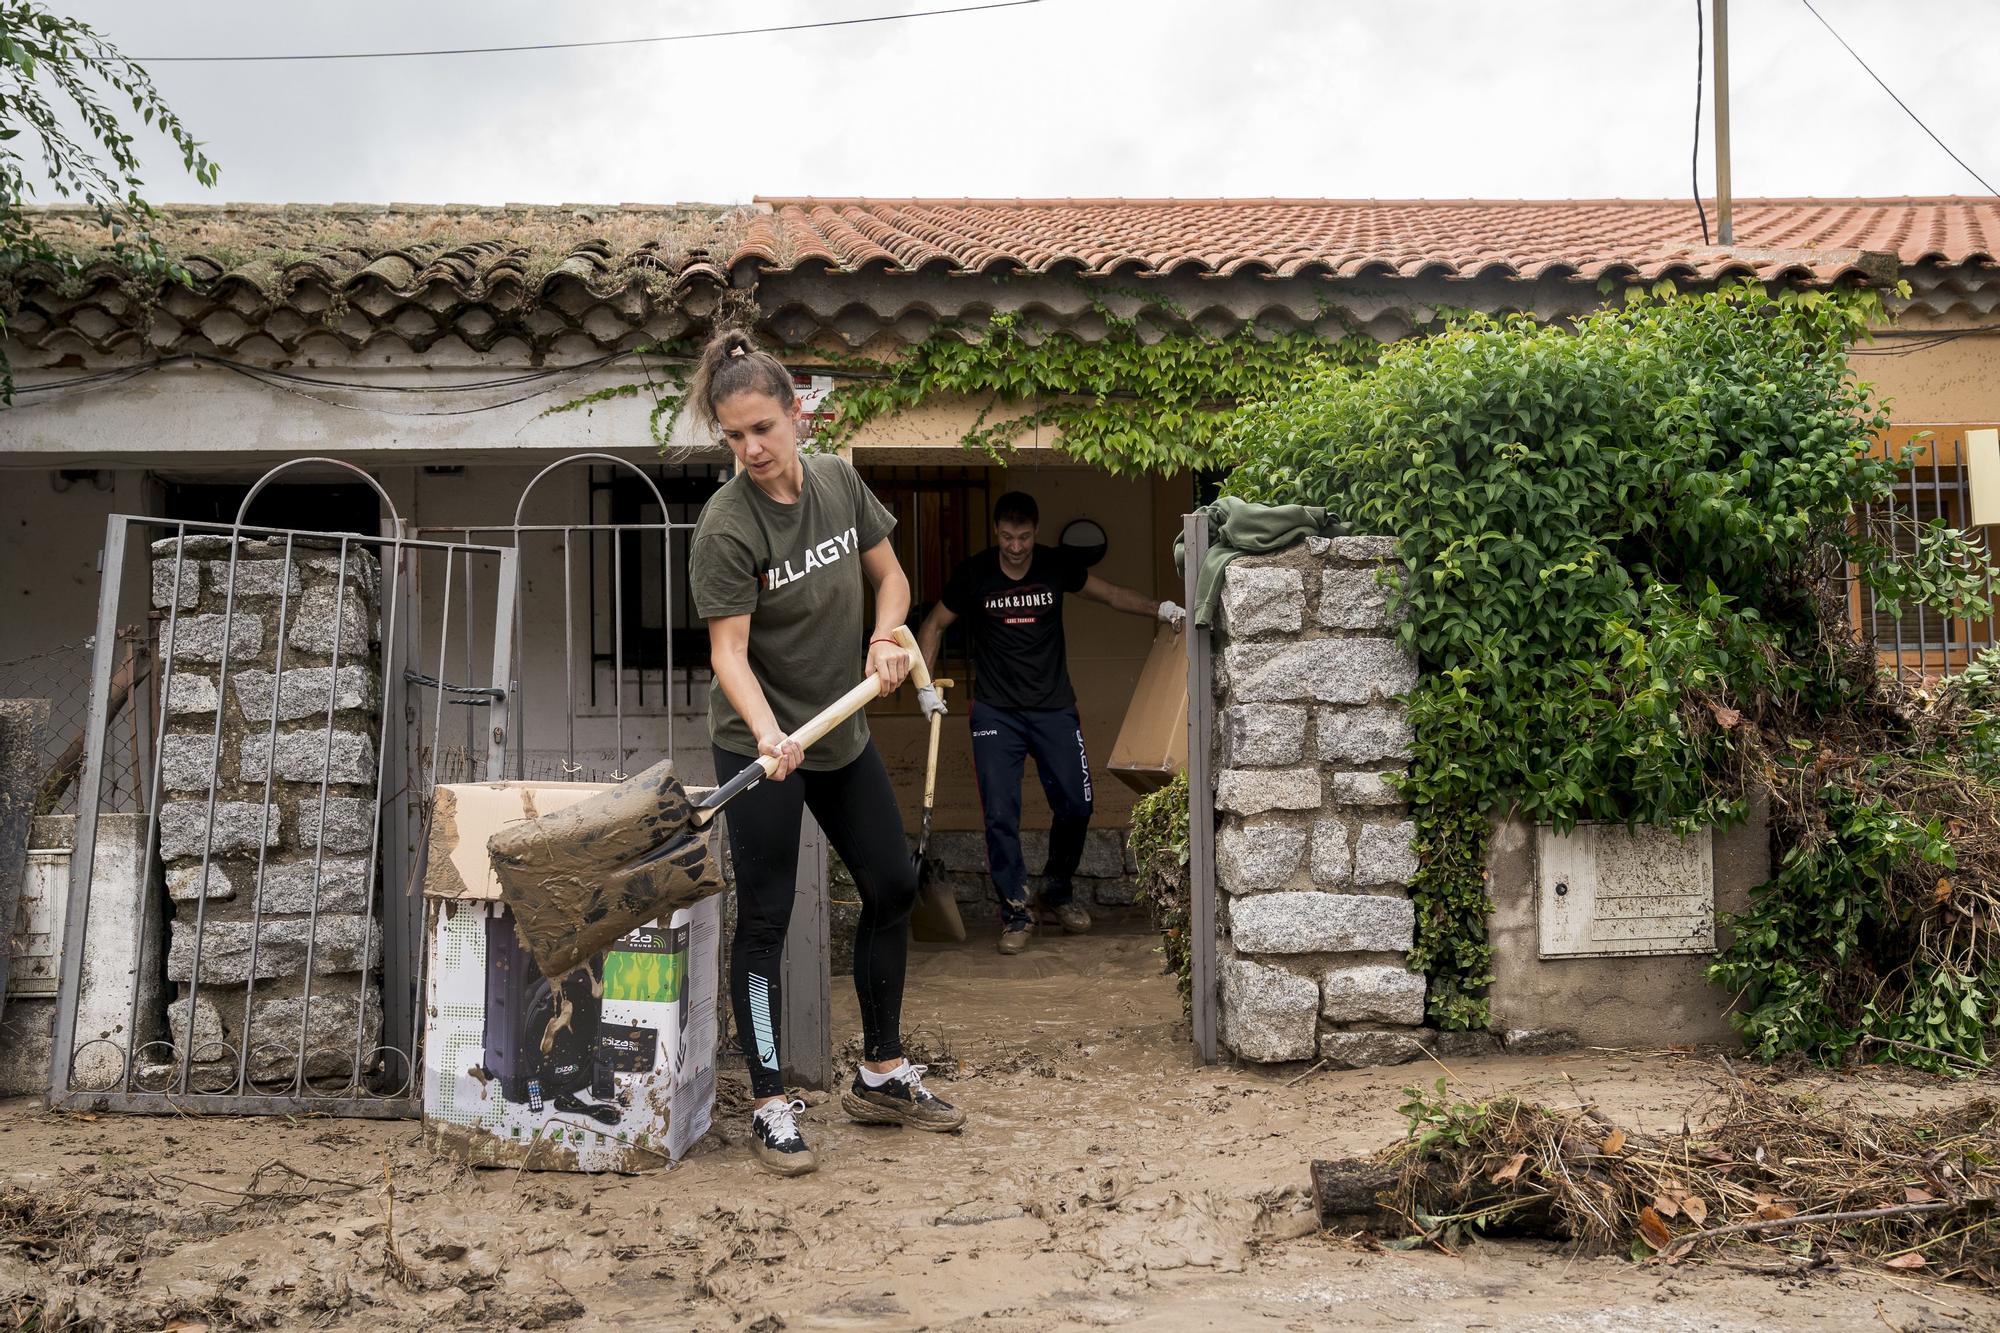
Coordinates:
x,y
201,1072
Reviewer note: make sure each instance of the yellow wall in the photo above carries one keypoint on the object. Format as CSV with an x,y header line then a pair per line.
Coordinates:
x,y
1954,383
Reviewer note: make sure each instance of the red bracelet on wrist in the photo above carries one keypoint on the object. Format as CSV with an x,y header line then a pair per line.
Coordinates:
x,y
884,639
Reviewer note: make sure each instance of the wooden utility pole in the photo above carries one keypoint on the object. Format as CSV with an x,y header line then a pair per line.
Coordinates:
x,y
1725,228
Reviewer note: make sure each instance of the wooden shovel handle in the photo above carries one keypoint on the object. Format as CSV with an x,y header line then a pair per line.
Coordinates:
x,y
815,728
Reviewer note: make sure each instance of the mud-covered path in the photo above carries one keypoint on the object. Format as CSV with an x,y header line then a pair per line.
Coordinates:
x,y
1104,1182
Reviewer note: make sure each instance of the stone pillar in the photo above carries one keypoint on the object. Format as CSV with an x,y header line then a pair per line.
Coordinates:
x,y
288,829
1313,847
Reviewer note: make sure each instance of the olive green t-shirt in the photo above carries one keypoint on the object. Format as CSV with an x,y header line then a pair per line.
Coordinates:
x,y
795,570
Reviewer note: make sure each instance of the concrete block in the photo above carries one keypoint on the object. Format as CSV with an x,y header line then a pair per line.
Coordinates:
x,y
1366,1050
1262,600
167,592
255,578
363,570
1385,854
1372,993
1103,858
210,1042
198,545
1362,550
1330,868
350,823
1354,599
189,695
1537,1041
1251,791
1337,671
343,943
1267,1013
302,693
199,638
1362,789
187,761
288,886
343,756
1258,734
330,1030
184,826
187,882
1258,858
1120,892
1354,736
1459,1045
312,629
1289,923
962,851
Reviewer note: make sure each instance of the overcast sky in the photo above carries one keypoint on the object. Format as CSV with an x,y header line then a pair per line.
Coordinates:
x,y
1339,98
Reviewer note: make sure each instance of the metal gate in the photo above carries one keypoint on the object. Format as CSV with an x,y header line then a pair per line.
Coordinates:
x,y
604,664
278,967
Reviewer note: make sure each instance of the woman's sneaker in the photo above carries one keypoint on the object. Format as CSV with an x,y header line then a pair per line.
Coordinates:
x,y
776,1141
901,1100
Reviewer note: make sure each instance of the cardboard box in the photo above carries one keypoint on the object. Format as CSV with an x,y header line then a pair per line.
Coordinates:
x,y
1151,749
610,1069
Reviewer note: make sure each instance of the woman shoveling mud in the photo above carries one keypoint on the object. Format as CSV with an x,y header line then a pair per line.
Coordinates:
x,y
777,567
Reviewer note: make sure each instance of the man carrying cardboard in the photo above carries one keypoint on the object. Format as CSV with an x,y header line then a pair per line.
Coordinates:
x,y
1023,703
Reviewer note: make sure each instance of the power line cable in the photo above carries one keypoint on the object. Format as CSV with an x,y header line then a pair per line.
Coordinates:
x,y
1694,156
1898,101
579,46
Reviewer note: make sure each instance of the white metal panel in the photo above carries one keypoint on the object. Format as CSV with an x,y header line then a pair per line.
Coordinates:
x,y
37,944
1603,889
1982,475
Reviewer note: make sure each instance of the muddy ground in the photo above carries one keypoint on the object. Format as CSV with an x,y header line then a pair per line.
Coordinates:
x,y
1103,1182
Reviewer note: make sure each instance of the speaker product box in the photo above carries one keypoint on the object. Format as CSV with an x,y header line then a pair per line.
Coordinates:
x,y
610,1067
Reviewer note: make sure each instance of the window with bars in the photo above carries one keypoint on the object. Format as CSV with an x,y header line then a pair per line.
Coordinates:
x,y
1912,635
642,616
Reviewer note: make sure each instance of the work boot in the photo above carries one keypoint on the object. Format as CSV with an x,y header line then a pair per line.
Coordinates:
x,y
901,1099
1014,938
776,1141
1071,917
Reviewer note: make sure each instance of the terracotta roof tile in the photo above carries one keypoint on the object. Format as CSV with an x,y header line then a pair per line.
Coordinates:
x,y
1817,240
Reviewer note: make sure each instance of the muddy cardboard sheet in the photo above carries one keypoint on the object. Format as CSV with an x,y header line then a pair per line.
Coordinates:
x,y
610,1068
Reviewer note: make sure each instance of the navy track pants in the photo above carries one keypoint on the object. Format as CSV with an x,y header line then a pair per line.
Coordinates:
x,y
1002,740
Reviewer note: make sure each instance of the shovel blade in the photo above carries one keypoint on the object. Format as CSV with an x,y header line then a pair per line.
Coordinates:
x,y
578,879
934,917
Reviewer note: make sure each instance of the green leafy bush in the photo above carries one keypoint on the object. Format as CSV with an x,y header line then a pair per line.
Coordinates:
x,y
1160,849
1623,542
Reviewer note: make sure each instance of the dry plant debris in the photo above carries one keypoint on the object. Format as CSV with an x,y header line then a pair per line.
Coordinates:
x,y
1784,1170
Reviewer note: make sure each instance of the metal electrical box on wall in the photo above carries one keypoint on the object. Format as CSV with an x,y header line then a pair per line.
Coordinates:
x,y
1604,889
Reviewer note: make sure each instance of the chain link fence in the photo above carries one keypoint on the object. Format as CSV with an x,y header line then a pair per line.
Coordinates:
x,y
62,676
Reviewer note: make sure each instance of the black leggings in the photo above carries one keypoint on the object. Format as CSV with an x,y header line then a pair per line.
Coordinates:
x,y
857,808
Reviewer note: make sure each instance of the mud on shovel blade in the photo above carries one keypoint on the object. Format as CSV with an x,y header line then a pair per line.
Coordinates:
x,y
578,879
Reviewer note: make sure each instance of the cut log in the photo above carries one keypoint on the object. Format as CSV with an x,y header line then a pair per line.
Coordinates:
x,y
1359,1194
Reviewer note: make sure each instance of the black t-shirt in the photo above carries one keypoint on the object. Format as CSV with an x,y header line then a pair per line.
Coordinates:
x,y
1019,659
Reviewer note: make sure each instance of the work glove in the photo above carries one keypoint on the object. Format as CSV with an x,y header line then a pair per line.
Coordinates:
x,y
1171,614
931,701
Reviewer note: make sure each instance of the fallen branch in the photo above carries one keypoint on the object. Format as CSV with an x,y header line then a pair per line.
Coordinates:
x,y
1682,1244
